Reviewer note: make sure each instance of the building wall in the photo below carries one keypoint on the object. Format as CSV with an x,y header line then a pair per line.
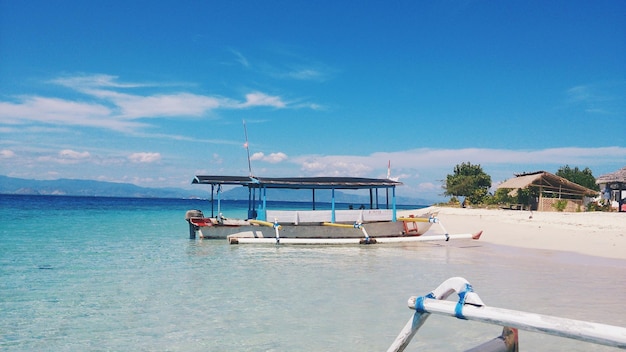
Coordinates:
x,y
573,205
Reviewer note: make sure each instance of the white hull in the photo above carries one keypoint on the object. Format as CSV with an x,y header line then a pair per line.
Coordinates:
x,y
249,230
312,228
403,230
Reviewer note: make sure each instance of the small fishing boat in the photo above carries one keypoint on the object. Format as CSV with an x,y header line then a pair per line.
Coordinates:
x,y
376,223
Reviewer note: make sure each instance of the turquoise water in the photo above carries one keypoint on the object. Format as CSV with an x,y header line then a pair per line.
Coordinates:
x,y
106,274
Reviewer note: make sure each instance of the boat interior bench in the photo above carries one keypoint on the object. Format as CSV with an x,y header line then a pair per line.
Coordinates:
x,y
317,216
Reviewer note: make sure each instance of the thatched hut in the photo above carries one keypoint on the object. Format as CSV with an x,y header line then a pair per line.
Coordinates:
x,y
613,188
550,190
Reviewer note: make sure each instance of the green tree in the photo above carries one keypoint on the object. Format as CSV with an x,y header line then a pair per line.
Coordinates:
x,y
468,181
582,177
502,196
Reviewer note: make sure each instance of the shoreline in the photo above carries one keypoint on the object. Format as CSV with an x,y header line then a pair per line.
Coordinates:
x,y
599,234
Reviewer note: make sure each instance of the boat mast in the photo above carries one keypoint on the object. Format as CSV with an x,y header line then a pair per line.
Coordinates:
x,y
251,191
245,131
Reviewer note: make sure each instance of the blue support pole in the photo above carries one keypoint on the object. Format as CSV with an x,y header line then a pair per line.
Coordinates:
x,y
212,202
393,204
332,219
219,200
262,212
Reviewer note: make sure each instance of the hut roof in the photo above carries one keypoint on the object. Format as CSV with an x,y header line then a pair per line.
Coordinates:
x,y
614,177
548,182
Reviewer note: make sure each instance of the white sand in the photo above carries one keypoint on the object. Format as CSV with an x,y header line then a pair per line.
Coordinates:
x,y
599,234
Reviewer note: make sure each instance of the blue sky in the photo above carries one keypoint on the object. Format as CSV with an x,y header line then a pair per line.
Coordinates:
x,y
155,92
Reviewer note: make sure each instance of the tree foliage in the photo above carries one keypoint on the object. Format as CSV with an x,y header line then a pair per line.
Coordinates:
x,y
468,181
582,177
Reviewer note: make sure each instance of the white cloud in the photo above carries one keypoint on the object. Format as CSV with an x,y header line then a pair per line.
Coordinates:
x,y
423,171
336,165
272,158
304,70
420,160
447,157
110,105
175,104
257,156
144,157
6,154
276,157
579,94
241,59
182,104
600,98
66,156
306,74
82,82
61,112
72,154
262,99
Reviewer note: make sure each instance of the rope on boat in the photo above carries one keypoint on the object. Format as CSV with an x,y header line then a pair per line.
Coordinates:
x,y
458,310
470,307
455,284
358,225
276,228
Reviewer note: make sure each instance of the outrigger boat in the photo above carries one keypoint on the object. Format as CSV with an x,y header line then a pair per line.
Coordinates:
x,y
314,226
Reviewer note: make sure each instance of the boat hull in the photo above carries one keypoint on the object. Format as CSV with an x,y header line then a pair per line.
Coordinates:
x,y
245,229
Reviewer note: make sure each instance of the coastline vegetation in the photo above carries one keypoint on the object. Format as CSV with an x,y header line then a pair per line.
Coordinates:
x,y
471,184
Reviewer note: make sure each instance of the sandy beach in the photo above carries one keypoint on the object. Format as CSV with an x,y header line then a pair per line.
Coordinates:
x,y
600,234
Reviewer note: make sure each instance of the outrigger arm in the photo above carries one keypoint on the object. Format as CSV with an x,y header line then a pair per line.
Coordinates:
x,y
470,307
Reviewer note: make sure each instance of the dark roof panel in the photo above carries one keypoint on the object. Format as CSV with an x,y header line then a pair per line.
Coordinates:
x,y
298,182
222,180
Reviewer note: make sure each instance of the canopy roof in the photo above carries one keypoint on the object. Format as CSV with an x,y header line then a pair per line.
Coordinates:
x,y
298,182
547,182
618,176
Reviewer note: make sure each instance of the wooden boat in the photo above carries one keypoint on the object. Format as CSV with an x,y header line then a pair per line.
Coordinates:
x,y
313,226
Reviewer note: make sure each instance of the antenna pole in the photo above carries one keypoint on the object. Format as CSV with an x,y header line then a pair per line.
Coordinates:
x,y
245,131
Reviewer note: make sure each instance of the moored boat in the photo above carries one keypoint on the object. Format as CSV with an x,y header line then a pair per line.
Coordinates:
x,y
318,225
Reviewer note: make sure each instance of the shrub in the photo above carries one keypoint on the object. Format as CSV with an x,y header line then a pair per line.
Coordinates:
x,y
560,205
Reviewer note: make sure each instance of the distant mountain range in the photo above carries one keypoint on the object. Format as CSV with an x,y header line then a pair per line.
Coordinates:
x,y
90,188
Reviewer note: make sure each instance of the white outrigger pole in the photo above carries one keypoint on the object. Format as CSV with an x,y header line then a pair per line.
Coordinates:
x,y
471,307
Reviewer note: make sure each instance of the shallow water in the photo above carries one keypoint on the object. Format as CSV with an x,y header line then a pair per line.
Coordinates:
x,y
94,274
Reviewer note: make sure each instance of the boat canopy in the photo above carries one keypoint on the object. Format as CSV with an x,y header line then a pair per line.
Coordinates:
x,y
257,187
298,182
